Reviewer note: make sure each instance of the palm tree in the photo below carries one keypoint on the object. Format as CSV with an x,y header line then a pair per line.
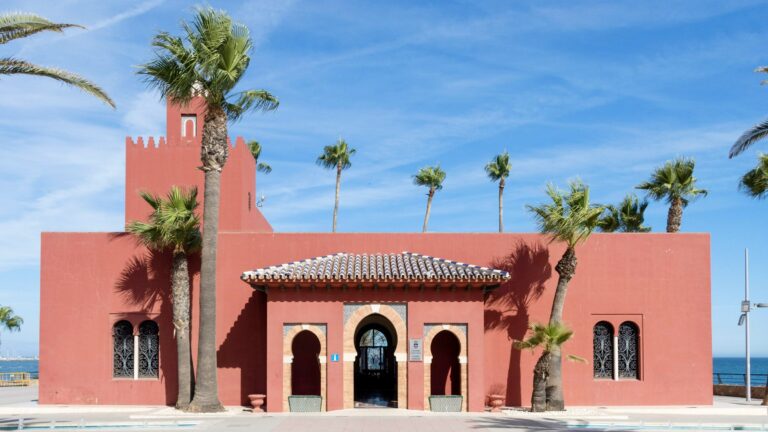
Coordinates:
x,y
175,227
336,156
431,177
20,25
208,61
498,170
255,149
549,338
675,183
755,182
570,218
629,216
9,320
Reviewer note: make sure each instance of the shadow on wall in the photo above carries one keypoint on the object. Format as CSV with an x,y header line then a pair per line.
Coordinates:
x,y
507,307
145,283
240,348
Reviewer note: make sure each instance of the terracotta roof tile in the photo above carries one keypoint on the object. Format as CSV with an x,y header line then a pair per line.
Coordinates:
x,y
404,266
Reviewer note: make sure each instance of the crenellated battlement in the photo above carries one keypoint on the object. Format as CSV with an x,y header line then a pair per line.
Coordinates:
x,y
150,143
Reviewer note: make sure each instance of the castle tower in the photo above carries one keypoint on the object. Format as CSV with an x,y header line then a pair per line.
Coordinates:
x,y
156,165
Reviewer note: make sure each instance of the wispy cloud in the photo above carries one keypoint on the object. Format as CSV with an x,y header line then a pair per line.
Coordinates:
x,y
129,13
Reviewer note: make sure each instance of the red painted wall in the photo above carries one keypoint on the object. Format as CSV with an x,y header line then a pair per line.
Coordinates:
x,y
660,281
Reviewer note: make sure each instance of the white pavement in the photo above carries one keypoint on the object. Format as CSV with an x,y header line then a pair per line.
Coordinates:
x,y
18,406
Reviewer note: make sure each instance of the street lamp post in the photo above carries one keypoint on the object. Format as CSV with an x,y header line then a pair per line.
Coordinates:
x,y
746,307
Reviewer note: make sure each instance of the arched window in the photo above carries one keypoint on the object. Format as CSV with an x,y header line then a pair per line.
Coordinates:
x,y
628,350
149,349
122,338
373,344
602,344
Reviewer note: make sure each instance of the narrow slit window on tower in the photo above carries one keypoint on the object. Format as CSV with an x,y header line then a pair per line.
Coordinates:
x,y
188,125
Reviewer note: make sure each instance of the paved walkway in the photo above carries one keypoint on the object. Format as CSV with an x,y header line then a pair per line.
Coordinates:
x,y
18,408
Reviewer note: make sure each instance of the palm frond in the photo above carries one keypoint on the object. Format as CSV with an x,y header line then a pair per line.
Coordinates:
x,y
264,168
755,182
570,217
337,155
209,61
9,320
250,100
545,336
173,223
431,177
12,66
751,136
499,167
17,25
610,221
672,181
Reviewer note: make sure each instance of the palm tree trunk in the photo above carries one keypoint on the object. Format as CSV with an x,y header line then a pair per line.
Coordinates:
x,y
540,374
501,205
429,208
566,269
336,205
675,215
180,292
214,152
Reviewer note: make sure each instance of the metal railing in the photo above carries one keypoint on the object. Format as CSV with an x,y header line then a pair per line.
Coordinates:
x,y
15,379
757,380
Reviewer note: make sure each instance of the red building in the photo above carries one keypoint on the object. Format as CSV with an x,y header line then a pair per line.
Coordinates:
x,y
366,318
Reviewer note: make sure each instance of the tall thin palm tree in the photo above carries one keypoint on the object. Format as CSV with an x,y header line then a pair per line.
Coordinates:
x,y
255,149
755,133
755,182
570,218
431,177
9,320
549,338
498,169
174,226
18,25
675,183
336,156
628,216
209,61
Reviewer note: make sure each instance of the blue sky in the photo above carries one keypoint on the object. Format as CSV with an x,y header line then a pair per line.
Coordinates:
x,y
603,91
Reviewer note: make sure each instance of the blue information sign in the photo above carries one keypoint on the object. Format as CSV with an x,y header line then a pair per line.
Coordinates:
x,y
334,357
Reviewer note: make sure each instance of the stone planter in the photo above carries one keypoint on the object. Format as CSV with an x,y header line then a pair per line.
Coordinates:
x,y
305,403
257,402
496,401
445,403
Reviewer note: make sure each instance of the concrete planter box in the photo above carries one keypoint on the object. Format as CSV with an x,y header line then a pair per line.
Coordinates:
x,y
305,403
445,403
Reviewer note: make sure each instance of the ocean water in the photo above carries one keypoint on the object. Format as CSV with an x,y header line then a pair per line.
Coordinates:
x,y
19,366
722,365
731,370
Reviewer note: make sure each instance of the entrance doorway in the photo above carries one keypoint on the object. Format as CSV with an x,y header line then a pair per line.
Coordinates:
x,y
375,366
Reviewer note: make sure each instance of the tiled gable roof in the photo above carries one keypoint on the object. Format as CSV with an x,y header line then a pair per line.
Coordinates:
x,y
347,267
